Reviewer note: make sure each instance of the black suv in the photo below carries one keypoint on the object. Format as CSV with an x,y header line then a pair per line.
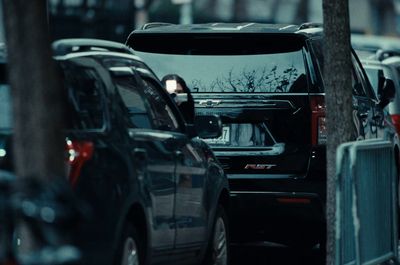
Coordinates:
x,y
266,83
155,190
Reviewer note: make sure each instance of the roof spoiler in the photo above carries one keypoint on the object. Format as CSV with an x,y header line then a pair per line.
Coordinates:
x,y
155,25
310,25
66,46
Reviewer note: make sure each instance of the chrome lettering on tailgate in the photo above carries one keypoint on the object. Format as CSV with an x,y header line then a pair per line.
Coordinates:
x,y
259,166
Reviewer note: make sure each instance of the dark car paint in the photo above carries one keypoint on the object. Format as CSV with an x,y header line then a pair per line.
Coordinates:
x,y
283,201
124,177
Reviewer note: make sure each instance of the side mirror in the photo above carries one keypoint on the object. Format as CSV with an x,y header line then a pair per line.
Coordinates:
x,y
386,91
208,126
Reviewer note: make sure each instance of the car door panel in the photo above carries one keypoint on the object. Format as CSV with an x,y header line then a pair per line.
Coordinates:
x,y
160,183
190,212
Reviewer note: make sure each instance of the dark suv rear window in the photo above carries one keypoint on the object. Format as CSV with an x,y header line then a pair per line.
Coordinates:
x,y
232,65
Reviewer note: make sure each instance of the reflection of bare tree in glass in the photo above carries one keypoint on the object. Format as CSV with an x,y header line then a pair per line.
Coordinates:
x,y
251,81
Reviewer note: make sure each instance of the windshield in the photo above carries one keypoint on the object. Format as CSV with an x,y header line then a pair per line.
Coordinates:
x,y
259,73
5,107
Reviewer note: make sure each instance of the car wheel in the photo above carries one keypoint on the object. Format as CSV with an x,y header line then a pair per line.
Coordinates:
x,y
218,246
130,250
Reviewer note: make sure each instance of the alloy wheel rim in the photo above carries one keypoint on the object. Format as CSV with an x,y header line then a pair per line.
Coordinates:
x,y
130,253
219,244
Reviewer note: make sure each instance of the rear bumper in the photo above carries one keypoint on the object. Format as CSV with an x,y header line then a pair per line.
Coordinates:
x,y
285,211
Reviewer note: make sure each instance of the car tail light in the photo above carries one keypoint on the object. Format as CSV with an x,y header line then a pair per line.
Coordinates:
x,y
78,152
396,122
318,125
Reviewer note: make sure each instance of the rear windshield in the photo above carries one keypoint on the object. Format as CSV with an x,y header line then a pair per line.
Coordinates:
x,y
249,66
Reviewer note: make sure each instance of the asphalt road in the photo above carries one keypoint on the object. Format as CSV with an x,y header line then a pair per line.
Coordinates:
x,y
274,256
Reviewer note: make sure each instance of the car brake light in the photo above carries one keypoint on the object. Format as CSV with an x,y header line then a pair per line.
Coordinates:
x,y
396,122
318,125
78,152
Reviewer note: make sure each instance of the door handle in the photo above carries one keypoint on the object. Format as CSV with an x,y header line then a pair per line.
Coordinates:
x,y
140,154
179,155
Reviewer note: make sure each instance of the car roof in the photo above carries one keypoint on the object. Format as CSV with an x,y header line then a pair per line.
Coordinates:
x,y
306,29
67,46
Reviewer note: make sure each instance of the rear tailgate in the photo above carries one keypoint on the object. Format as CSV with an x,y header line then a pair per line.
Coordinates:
x,y
262,133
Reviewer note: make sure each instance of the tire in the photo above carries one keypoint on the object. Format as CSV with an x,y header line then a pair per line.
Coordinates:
x,y
218,245
130,249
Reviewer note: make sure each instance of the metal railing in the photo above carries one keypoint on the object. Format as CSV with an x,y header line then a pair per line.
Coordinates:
x,y
366,198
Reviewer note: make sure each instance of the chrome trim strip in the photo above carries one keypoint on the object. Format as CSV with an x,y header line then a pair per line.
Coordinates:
x,y
245,26
94,53
289,194
198,95
261,176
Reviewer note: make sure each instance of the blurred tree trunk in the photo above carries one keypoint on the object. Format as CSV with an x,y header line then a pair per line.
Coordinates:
x,y
302,12
338,83
38,144
37,95
239,10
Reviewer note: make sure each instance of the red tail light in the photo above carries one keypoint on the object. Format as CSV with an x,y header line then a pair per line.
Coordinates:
x,y
396,122
318,126
78,152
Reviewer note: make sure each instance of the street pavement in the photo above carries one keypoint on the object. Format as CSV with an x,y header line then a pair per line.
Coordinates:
x,y
274,256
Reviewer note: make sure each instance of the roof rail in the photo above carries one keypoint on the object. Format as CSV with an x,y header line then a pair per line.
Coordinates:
x,y
309,25
383,54
65,46
155,25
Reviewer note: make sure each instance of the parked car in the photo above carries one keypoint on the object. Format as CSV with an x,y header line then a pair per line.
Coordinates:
x,y
380,62
372,43
266,83
155,190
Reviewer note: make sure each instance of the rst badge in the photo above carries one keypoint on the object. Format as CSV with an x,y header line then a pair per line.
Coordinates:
x,y
259,166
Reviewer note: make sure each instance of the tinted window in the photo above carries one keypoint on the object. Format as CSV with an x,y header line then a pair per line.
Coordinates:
x,y
255,64
162,114
359,83
267,73
86,98
362,79
373,75
134,103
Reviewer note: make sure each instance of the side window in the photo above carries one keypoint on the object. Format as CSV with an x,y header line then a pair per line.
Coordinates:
x,y
358,89
374,74
86,98
134,103
362,86
162,114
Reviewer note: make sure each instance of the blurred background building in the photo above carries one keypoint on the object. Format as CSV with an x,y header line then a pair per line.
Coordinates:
x,y
115,19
